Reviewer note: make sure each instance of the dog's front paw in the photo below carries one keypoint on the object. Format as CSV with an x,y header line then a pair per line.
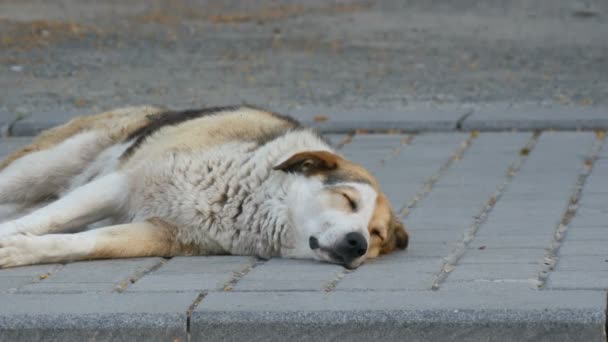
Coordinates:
x,y
16,251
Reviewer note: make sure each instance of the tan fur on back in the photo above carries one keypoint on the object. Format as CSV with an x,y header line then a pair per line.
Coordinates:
x,y
245,124
117,123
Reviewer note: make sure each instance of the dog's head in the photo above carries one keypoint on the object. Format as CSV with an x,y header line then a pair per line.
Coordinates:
x,y
339,212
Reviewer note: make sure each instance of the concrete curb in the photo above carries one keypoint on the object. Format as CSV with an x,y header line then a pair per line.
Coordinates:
x,y
414,118
106,317
530,315
526,117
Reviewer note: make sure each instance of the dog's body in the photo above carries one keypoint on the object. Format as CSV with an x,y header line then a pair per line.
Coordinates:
x,y
232,180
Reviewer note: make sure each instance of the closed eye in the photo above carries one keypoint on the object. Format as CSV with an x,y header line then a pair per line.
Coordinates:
x,y
352,203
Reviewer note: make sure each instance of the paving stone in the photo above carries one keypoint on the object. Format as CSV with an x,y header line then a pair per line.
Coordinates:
x,y
8,145
335,139
14,278
578,280
508,117
12,283
582,263
459,212
289,275
93,276
37,122
193,274
475,255
494,272
517,315
420,159
594,233
28,271
599,248
556,156
415,118
517,240
399,272
78,317
6,120
412,118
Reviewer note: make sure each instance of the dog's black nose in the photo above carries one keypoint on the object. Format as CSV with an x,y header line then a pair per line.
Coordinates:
x,y
352,247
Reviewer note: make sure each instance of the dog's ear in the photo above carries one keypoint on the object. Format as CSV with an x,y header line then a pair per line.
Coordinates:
x,y
309,162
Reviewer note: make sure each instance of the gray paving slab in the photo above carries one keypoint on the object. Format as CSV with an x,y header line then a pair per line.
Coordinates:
x,y
422,158
14,278
413,118
551,170
518,315
491,294
6,121
394,274
105,317
582,261
534,117
289,275
36,122
8,145
193,274
93,276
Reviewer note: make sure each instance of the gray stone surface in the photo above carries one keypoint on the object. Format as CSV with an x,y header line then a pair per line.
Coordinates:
x,y
8,145
34,123
522,315
534,117
531,207
289,275
351,54
583,255
107,317
413,118
93,276
420,160
194,274
490,292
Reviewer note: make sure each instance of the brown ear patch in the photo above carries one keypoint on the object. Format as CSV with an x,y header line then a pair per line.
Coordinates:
x,y
402,238
398,238
310,163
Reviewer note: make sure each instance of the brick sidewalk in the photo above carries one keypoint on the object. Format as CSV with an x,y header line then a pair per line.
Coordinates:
x,y
508,241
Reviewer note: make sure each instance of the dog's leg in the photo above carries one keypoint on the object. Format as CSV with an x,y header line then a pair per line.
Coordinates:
x,y
43,174
87,204
140,239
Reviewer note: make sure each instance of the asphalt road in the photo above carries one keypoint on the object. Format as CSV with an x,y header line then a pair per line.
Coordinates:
x,y
91,55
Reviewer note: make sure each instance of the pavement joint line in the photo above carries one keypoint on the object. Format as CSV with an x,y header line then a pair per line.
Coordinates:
x,y
426,188
461,120
331,285
138,275
396,151
8,128
451,261
191,308
228,287
238,275
345,141
551,257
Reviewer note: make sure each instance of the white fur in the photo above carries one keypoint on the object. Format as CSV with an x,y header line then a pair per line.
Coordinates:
x,y
226,199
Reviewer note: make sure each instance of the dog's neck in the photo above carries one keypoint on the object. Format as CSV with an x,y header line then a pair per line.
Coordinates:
x,y
268,225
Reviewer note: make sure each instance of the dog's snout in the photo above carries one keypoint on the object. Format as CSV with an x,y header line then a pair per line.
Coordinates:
x,y
352,247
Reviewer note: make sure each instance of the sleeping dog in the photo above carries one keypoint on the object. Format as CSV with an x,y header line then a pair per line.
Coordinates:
x,y
146,181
